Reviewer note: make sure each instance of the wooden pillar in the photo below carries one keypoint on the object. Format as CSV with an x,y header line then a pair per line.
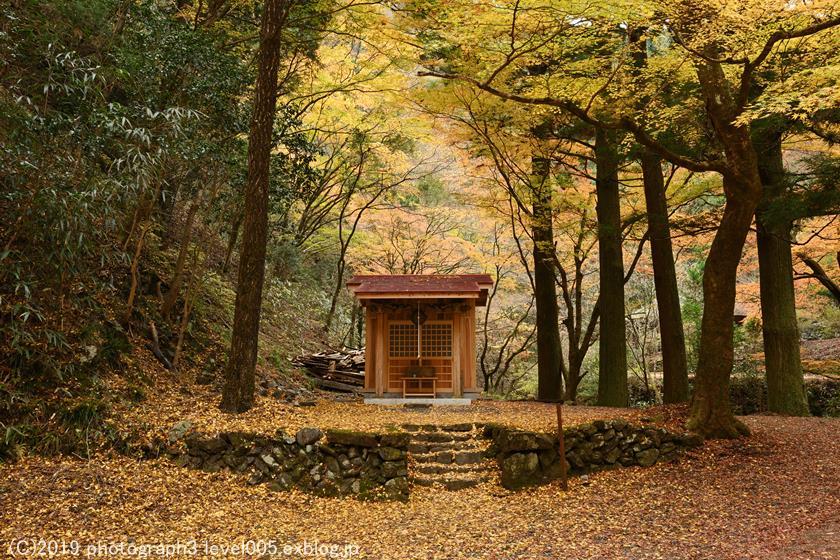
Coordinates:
x,y
468,359
370,349
457,343
380,360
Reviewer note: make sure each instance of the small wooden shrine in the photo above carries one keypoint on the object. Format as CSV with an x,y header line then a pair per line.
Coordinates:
x,y
420,333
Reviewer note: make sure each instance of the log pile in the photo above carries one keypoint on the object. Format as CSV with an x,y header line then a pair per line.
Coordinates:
x,y
335,371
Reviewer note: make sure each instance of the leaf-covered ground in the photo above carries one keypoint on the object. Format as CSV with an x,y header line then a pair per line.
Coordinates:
x,y
269,414
173,399
774,495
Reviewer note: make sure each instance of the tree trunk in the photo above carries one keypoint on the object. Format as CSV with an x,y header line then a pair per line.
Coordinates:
x,y
167,202
171,298
234,235
351,335
572,381
135,273
189,302
121,16
785,386
612,351
238,392
339,281
360,327
674,364
711,413
819,273
549,380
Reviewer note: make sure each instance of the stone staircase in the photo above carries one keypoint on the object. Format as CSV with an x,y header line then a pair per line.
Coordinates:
x,y
451,456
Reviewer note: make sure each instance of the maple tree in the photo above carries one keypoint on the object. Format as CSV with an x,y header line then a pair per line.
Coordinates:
x,y
532,37
588,137
187,186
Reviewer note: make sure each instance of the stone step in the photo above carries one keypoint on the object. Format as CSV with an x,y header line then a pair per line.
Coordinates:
x,y
420,427
461,427
438,469
426,447
450,483
441,437
449,457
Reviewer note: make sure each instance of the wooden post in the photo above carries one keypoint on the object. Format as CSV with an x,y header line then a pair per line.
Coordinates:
x,y
456,354
564,482
468,360
381,367
370,350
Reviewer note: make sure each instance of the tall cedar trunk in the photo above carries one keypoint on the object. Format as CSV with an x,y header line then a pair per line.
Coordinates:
x,y
711,413
612,351
674,368
549,380
238,392
785,386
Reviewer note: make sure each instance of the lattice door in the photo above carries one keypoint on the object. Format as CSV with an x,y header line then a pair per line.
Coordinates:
x,y
435,349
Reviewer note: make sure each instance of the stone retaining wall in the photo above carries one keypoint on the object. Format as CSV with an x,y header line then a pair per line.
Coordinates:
x,y
375,465
367,465
531,458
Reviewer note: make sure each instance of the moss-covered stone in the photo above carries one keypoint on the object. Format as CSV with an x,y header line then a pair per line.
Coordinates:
x,y
520,470
353,462
351,437
510,441
647,457
399,440
391,453
589,448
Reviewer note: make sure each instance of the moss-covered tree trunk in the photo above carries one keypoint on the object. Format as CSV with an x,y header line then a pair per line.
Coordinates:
x,y
612,352
549,380
238,391
674,365
785,386
711,411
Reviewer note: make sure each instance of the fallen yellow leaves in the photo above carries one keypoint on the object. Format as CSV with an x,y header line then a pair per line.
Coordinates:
x,y
742,499
172,400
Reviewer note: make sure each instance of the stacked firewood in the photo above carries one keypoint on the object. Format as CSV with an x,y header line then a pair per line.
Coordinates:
x,y
335,371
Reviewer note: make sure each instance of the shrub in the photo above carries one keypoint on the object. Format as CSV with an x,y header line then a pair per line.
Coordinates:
x,y
641,396
748,394
823,396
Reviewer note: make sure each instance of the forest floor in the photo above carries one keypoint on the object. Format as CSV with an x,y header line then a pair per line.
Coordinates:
x,y
174,397
775,495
